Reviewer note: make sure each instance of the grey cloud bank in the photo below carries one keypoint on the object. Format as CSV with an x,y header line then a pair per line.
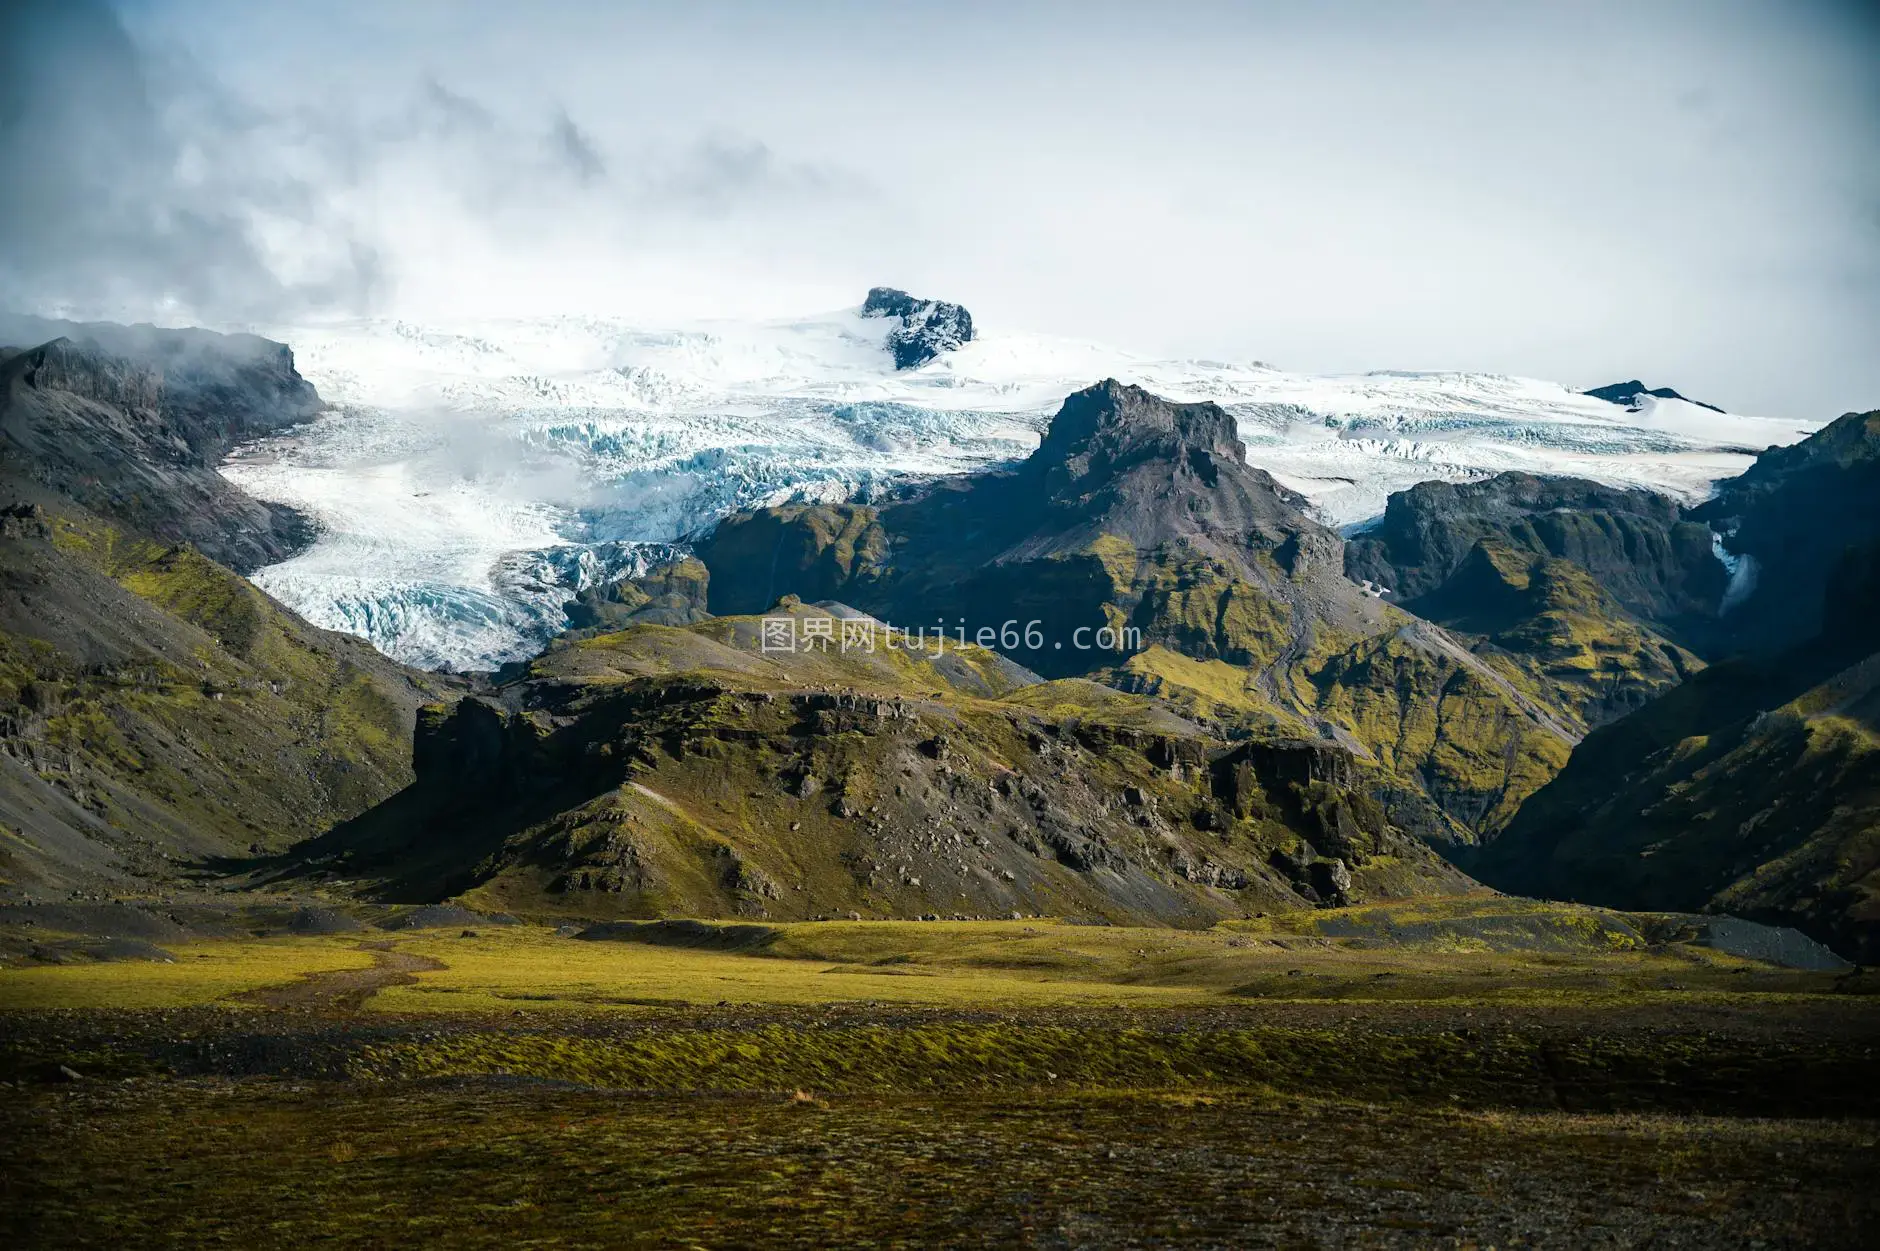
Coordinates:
x,y
1688,193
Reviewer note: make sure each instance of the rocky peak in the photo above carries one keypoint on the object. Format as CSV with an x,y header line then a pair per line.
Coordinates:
x,y
1632,394
1114,421
927,327
1151,470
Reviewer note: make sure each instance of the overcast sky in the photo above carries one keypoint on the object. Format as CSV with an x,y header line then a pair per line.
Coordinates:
x,y
1686,193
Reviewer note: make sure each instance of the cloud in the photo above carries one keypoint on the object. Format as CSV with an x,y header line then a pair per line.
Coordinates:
x,y
577,150
1684,190
102,205
153,191
450,112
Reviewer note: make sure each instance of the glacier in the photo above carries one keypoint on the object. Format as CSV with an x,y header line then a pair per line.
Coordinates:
x,y
468,480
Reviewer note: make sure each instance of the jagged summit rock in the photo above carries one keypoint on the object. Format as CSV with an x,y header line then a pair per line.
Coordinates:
x,y
1118,460
928,327
1113,418
1632,393
1119,470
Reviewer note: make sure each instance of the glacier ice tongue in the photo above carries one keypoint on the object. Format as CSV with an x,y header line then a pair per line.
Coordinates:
x,y
470,479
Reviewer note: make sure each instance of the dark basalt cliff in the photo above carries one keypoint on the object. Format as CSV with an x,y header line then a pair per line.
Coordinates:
x,y
1792,518
131,422
1638,546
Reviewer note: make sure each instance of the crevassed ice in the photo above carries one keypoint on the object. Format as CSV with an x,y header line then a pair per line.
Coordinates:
x,y
470,479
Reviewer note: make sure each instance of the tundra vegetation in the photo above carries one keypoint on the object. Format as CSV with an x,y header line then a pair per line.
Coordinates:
x,y
618,946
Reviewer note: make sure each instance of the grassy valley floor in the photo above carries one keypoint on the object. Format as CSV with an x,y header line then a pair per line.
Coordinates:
x,y
1483,1071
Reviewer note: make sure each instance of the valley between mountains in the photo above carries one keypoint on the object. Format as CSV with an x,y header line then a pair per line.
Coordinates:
x,y
1115,846
1569,689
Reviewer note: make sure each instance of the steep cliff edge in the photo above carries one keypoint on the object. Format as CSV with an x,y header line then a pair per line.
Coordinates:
x,y
130,423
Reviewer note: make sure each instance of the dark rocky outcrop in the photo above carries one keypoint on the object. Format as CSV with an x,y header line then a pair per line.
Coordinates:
x,y
1629,393
130,422
1139,521
927,327
672,594
1128,507
1637,545
1792,519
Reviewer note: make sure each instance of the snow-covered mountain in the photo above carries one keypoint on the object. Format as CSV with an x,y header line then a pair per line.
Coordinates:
x,y
469,478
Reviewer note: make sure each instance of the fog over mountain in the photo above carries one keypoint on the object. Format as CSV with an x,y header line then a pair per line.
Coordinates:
x,y
1685,192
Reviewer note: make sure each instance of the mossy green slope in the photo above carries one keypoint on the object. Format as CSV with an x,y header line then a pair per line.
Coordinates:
x,y
662,771
1736,793
1751,786
159,712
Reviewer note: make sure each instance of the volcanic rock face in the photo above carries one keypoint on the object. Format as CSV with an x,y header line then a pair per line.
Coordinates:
x,y
927,327
131,422
1638,546
1118,460
665,770
1137,520
156,710
1130,503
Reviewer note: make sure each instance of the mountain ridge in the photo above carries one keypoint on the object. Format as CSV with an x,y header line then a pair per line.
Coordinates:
x,y
1138,518
134,421
592,431
1753,787
157,711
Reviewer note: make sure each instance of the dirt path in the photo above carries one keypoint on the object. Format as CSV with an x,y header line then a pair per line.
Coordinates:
x,y
345,990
